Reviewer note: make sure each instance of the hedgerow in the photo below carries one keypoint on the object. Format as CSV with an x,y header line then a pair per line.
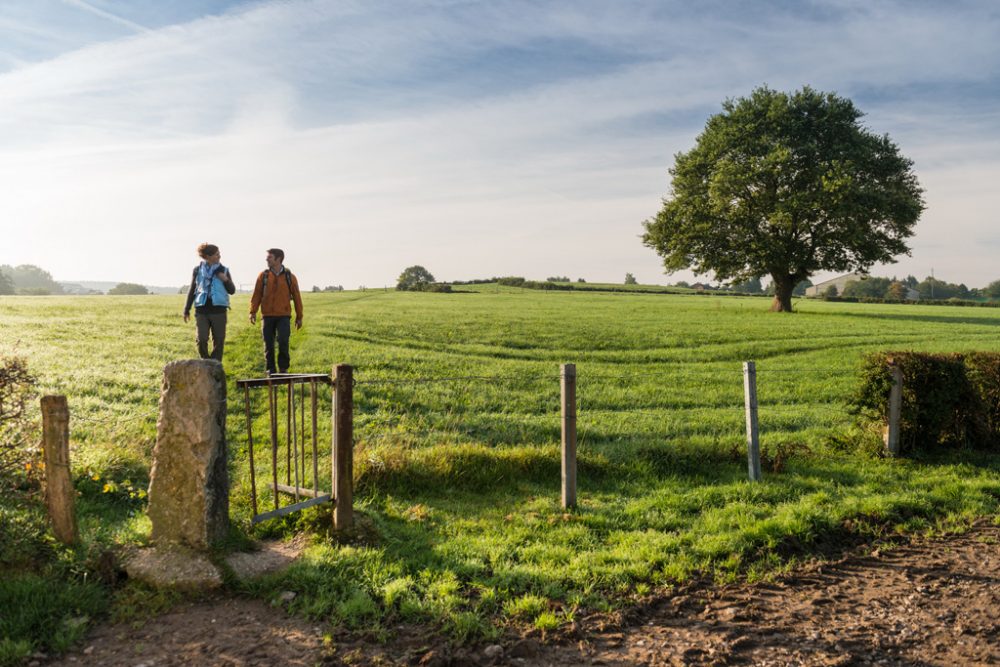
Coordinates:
x,y
948,400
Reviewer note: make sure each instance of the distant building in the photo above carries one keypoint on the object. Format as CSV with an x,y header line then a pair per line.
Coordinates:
x,y
840,282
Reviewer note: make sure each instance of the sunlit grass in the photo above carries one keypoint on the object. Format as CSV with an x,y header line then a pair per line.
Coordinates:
x,y
457,439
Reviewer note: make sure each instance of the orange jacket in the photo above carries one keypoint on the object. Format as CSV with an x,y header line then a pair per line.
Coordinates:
x,y
275,301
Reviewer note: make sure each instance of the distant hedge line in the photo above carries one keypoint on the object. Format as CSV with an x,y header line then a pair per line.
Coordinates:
x,y
922,302
949,400
518,281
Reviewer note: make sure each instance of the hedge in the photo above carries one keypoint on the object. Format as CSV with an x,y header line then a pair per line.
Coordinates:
x,y
949,400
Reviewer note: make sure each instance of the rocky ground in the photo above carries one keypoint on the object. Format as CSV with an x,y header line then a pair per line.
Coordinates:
x,y
928,602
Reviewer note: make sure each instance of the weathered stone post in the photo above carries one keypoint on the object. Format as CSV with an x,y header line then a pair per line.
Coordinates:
x,y
189,486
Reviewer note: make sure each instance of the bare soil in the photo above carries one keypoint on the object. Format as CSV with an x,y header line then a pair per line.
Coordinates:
x,y
924,602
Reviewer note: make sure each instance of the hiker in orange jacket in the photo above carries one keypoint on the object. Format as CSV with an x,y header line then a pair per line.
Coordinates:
x,y
274,293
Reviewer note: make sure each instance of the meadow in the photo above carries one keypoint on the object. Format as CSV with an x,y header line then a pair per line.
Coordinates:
x,y
457,443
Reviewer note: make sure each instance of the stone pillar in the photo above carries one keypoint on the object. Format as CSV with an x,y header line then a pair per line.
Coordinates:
x,y
189,486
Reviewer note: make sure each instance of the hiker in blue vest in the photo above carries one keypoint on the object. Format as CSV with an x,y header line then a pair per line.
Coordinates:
x,y
211,286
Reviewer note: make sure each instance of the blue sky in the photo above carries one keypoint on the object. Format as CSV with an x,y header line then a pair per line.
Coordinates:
x,y
474,138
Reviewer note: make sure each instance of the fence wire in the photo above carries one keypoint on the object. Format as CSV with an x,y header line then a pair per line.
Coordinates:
x,y
481,406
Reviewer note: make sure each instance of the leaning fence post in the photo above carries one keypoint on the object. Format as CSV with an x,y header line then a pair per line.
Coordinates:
x,y
895,407
343,445
59,492
753,436
568,382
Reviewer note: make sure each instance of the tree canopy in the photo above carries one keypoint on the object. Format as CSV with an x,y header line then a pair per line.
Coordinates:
x,y
932,288
786,185
128,289
6,284
414,278
31,279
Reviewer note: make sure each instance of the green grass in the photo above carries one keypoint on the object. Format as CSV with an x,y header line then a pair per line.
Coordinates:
x,y
457,480
44,613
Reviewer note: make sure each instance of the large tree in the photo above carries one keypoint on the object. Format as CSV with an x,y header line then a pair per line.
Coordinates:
x,y
786,185
414,278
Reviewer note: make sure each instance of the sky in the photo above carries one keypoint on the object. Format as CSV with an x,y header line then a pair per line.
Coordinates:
x,y
473,138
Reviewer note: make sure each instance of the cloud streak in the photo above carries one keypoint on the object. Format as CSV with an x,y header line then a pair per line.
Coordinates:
x,y
114,18
475,138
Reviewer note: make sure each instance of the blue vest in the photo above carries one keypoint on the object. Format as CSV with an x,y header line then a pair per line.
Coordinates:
x,y
220,297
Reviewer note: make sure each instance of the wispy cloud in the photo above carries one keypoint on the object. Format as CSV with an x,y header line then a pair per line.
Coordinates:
x,y
476,138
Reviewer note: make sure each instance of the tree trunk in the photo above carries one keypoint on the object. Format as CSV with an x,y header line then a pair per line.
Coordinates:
x,y
783,286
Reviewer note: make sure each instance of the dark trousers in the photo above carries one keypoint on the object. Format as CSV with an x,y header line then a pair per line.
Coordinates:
x,y
280,328
216,324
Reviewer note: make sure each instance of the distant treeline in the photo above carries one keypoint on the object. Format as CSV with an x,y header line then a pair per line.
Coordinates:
x,y
870,290
582,286
894,289
27,279
31,280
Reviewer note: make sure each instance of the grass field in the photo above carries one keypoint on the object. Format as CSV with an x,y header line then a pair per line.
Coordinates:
x,y
457,441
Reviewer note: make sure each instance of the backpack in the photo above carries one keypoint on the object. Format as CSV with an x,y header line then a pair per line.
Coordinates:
x,y
288,279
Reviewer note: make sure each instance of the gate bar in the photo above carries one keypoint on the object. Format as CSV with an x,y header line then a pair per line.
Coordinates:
x,y
290,490
274,441
302,431
253,477
315,462
288,509
277,379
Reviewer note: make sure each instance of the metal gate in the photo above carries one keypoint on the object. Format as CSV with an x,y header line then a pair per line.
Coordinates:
x,y
296,456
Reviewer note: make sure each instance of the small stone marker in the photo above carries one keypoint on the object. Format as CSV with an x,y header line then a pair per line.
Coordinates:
x,y
189,486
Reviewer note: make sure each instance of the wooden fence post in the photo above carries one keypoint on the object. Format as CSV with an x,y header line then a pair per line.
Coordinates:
x,y
753,437
895,407
60,495
343,446
568,382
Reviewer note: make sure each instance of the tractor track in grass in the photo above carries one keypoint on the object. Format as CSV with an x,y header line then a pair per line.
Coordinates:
x,y
915,602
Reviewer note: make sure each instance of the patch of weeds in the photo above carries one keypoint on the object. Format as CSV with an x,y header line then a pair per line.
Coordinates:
x,y
546,621
396,591
774,459
14,651
52,614
489,601
526,606
24,537
418,512
465,626
357,609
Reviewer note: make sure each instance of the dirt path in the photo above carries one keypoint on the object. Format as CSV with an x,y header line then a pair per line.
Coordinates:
x,y
925,603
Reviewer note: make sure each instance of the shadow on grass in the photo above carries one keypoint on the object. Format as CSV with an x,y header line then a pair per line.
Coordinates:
x,y
606,464
992,320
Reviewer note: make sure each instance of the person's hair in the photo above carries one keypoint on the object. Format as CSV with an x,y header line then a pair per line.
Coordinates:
x,y
207,249
277,253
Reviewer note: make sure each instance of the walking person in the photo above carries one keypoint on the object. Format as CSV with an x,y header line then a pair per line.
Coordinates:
x,y
211,285
273,294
